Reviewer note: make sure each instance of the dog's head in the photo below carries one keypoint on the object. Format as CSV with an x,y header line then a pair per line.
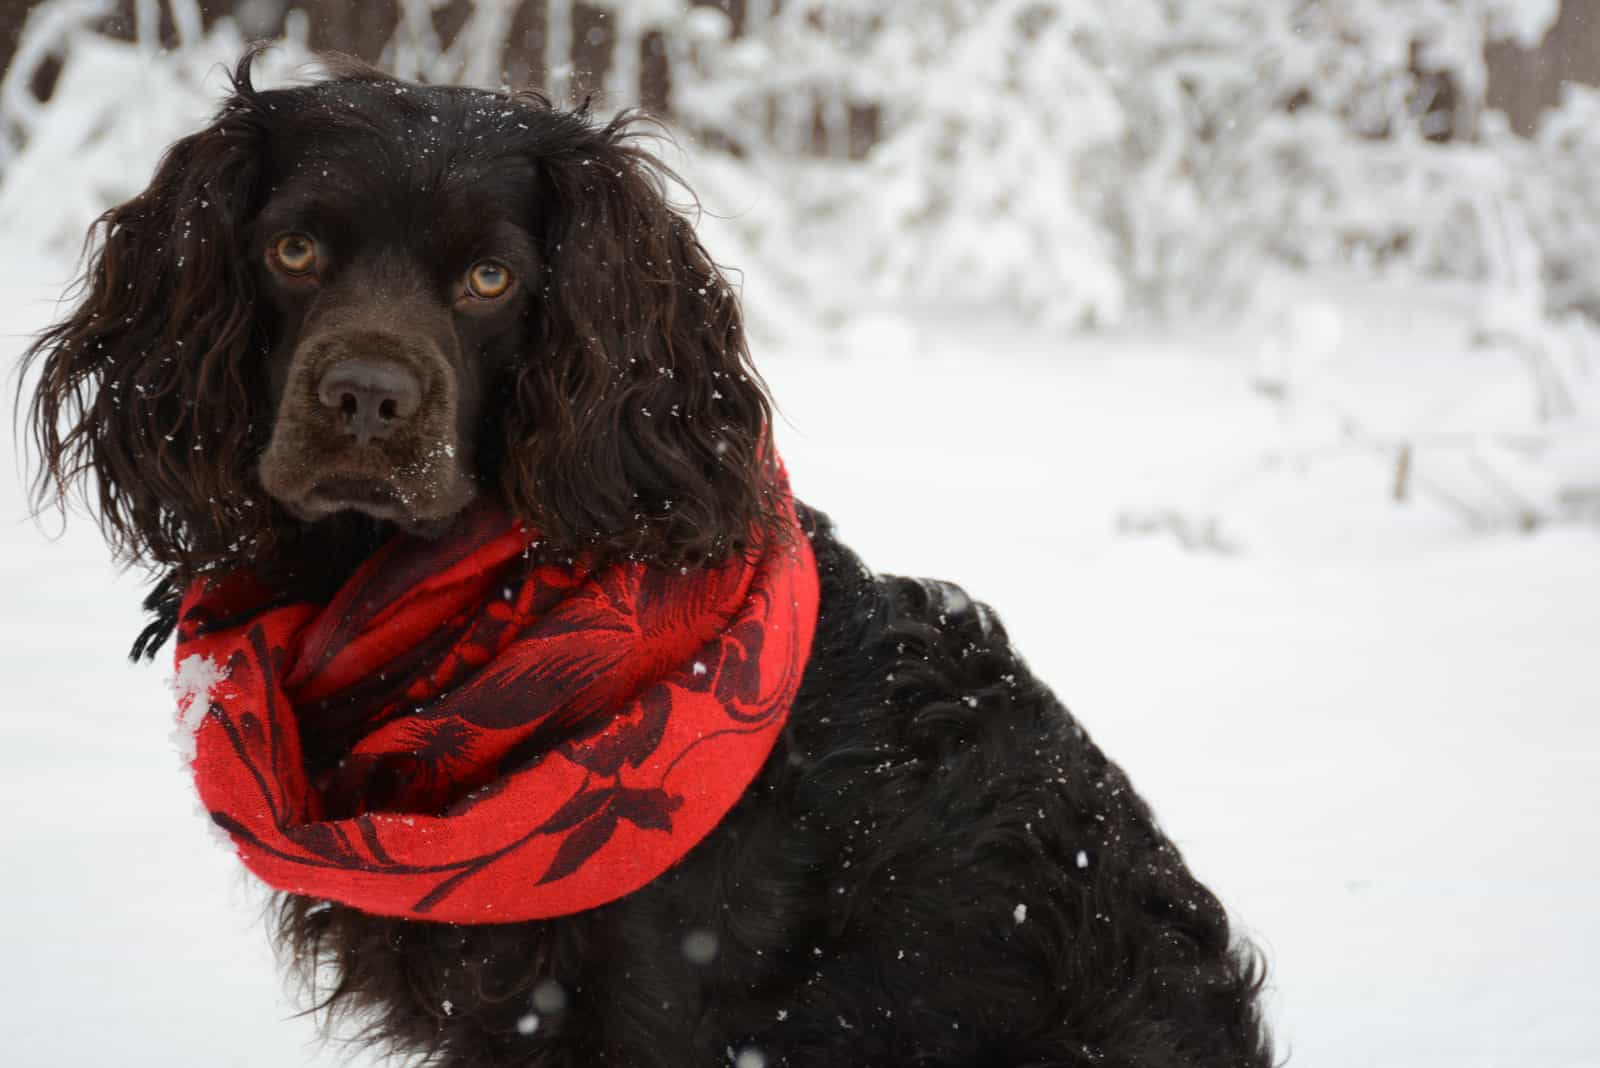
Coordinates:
x,y
366,296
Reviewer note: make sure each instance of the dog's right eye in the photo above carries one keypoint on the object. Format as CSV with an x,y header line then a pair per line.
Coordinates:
x,y
295,254
488,280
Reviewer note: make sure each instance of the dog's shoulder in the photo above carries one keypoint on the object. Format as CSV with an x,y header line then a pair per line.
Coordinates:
x,y
919,647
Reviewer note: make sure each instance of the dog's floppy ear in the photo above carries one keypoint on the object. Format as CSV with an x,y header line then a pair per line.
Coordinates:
x,y
636,423
145,394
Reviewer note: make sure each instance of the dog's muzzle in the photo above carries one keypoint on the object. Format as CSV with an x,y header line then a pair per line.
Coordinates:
x,y
367,422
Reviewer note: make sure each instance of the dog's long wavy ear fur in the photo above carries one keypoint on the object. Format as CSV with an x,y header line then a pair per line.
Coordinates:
x,y
145,397
636,424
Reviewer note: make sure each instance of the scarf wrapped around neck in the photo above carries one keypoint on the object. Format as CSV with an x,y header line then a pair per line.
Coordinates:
x,y
461,734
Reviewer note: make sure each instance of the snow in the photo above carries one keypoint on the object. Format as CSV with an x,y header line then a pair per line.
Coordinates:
x,y
549,997
196,677
1527,21
700,946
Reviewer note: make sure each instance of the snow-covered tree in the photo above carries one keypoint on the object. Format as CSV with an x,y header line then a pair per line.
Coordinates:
x,y
1077,157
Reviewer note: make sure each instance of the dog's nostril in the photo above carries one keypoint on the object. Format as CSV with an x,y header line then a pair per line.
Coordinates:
x,y
372,399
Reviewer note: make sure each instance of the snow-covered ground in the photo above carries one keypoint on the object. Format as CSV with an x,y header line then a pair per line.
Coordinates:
x,y
1372,732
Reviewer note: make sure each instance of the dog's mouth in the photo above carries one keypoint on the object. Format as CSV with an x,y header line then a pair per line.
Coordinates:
x,y
392,499
413,495
377,498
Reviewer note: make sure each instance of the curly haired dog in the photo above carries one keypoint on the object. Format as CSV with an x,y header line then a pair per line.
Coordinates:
x,y
358,305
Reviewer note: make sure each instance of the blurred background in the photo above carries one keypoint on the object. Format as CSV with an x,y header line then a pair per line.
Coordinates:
x,y
1244,354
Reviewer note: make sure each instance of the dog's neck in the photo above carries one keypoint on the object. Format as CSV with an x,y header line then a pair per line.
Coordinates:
x,y
325,554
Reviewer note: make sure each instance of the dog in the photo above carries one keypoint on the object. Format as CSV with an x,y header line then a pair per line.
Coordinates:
x,y
359,308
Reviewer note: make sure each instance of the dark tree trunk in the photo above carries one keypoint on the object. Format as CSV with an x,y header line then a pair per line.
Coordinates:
x,y
1524,84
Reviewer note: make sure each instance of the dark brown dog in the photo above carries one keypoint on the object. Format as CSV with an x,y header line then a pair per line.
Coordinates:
x,y
356,305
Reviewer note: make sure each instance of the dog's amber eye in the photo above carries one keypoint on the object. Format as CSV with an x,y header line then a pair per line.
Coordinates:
x,y
295,253
488,280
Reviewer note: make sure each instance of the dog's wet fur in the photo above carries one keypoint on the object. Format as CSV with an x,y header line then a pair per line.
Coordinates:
x,y
936,866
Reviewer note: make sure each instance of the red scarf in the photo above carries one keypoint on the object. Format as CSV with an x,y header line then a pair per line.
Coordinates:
x,y
460,735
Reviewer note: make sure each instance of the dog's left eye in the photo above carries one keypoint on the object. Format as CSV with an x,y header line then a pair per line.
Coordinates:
x,y
295,254
489,280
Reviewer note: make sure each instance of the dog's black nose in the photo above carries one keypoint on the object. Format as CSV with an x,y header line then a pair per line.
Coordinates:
x,y
371,400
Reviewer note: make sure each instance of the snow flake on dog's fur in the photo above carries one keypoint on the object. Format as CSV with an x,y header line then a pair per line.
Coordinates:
x,y
196,678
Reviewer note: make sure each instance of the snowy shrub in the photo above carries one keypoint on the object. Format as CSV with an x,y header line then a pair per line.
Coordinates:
x,y
1074,159
114,108
1557,191
984,194
1312,133
996,126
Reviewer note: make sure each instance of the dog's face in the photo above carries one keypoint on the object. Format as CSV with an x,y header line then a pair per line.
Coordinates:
x,y
395,261
363,297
